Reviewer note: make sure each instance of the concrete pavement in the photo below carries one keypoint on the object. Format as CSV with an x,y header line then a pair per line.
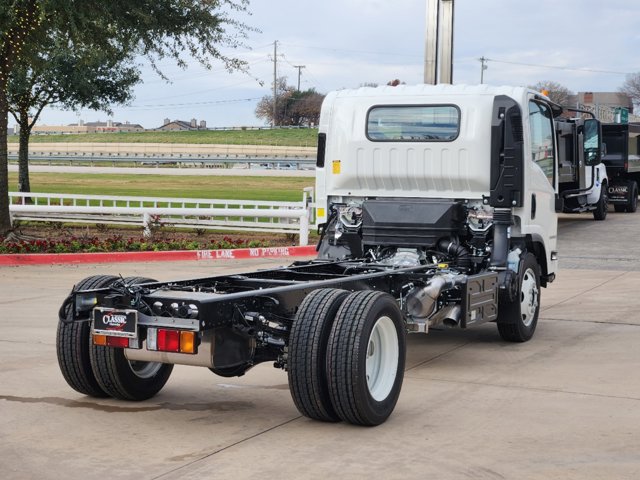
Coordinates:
x,y
565,405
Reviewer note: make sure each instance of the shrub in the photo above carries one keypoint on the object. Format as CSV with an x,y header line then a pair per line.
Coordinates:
x,y
117,243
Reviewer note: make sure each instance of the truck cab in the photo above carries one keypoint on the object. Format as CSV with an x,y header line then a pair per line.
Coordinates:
x,y
389,155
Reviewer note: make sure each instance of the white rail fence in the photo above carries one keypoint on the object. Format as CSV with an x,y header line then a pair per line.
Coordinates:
x,y
151,212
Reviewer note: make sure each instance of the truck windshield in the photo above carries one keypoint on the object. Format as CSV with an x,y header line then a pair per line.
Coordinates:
x,y
413,123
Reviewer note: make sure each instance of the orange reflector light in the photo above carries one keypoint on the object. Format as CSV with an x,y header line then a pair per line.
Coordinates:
x,y
168,340
187,342
100,340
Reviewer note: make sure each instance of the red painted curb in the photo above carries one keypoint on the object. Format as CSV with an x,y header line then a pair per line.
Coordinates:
x,y
174,255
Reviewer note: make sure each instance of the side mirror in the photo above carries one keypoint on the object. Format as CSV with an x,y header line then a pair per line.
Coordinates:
x,y
591,142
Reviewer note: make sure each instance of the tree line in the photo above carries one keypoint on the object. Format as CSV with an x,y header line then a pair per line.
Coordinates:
x,y
84,54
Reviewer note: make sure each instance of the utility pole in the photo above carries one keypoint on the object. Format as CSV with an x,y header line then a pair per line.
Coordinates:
x,y
483,67
275,83
299,67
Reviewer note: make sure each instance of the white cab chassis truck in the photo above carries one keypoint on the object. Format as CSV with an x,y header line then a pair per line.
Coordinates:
x,y
437,207
583,184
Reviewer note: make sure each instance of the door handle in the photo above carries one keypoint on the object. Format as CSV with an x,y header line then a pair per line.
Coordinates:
x,y
533,206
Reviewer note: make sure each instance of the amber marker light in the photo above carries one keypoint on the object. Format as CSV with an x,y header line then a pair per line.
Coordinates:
x,y
187,342
100,340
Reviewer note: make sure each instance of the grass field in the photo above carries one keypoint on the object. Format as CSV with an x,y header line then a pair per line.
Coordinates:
x,y
288,189
299,137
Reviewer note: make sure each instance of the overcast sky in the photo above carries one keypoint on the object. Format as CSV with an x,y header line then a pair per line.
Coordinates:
x,y
586,45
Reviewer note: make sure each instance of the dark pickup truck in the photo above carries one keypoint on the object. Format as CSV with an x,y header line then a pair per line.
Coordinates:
x,y
622,159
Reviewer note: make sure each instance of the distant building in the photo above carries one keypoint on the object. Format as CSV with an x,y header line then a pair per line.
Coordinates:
x,y
602,99
604,105
89,127
181,125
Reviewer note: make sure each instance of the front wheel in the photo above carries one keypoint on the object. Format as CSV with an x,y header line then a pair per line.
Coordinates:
x,y
366,357
602,207
517,320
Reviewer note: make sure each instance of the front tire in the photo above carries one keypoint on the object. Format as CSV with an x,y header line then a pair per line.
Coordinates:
x,y
308,353
517,320
602,207
73,342
366,357
125,379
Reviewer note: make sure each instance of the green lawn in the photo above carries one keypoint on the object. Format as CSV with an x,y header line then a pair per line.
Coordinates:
x,y
236,188
302,137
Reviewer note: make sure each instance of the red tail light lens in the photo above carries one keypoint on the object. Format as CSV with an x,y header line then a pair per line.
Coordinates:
x,y
168,340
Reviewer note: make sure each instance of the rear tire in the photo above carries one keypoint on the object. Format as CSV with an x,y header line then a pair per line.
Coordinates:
x,y
73,342
517,320
308,354
366,357
602,207
122,378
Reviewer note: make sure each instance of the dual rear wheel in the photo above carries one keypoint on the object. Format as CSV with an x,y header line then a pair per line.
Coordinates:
x,y
100,371
346,356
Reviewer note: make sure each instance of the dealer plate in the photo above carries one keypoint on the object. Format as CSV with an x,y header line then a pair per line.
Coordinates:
x,y
115,323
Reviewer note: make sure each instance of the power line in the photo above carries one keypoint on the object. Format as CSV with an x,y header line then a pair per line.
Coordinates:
x,y
576,69
198,92
332,49
211,102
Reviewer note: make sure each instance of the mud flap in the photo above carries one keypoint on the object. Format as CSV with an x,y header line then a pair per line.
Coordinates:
x,y
619,192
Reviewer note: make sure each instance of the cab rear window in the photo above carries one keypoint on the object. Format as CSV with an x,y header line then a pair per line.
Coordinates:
x,y
413,123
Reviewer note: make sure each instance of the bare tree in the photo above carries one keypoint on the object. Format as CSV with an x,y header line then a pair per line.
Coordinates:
x,y
631,87
293,107
556,92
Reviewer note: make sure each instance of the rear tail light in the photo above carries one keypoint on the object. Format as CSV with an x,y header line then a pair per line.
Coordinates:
x,y
187,342
118,342
166,340
158,339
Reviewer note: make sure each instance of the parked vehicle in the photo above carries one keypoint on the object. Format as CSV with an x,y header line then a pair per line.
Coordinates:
x,y
622,159
583,184
437,207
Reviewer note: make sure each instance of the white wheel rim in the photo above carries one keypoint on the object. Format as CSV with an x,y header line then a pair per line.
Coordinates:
x,y
529,298
382,358
144,369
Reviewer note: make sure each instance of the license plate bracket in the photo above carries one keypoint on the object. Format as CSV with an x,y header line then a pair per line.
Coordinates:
x,y
115,323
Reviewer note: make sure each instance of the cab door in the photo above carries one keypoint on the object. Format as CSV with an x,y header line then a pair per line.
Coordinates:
x,y
539,218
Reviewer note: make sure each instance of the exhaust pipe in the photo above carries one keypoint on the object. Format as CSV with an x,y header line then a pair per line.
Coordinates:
x,y
452,320
421,302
